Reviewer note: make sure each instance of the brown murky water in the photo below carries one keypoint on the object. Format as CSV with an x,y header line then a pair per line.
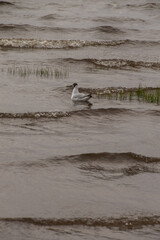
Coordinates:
x,y
78,171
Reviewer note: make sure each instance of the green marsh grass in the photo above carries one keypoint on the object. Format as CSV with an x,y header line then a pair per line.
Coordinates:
x,y
142,94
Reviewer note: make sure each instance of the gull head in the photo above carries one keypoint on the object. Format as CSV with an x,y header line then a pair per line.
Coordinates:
x,y
74,84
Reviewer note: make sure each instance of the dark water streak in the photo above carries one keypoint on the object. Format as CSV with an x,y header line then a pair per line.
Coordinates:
x,y
124,223
5,3
108,157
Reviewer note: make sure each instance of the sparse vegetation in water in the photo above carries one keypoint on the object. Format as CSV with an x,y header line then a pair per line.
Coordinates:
x,y
148,95
38,71
143,94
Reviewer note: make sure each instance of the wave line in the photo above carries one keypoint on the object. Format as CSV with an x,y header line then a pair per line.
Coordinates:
x,y
122,223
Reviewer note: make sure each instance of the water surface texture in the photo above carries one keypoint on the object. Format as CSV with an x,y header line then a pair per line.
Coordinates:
x,y
79,171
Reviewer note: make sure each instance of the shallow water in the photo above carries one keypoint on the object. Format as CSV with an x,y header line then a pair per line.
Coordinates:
x,y
78,171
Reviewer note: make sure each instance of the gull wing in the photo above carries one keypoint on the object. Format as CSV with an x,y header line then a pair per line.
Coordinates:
x,y
81,97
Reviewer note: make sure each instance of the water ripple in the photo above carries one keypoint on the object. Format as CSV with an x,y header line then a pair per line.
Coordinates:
x,y
122,223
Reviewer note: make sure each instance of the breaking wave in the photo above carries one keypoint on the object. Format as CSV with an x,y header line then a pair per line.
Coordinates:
x,y
124,63
116,63
60,44
55,44
34,115
145,6
122,223
83,113
110,157
5,3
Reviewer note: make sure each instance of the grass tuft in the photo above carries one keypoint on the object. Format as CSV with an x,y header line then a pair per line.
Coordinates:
x,y
142,94
38,71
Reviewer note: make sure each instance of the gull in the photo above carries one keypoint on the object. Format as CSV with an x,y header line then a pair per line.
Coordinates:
x,y
77,96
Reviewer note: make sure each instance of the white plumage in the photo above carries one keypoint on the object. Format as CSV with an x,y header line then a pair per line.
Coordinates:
x,y
77,96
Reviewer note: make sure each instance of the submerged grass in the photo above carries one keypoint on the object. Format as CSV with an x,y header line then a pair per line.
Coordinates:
x,y
142,94
38,71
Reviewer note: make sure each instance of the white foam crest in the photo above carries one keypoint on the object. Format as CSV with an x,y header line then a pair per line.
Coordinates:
x,y
52,44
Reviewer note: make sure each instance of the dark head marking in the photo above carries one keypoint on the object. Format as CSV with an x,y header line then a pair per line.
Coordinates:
x,y
74,84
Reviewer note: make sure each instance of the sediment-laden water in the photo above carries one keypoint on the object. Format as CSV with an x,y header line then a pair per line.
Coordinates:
x,y
79,171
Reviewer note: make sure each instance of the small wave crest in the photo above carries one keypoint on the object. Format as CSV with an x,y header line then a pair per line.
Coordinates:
x,y
108,29
79,113
56,115
34,115
60,44
50,17
119,19
122,223
153,112
5,3
53,44
104,166
111,157
19,27
145,6
124,64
